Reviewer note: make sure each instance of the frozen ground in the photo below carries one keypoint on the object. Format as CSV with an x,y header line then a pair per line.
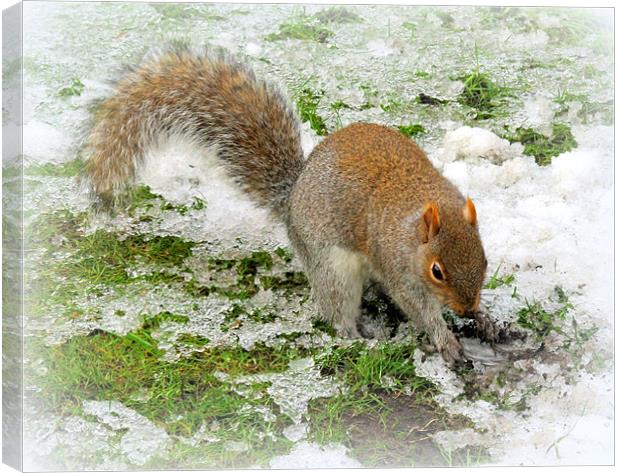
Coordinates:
x,y
545,400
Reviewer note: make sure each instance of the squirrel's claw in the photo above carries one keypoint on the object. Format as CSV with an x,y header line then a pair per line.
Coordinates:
x,y
486,329
452,351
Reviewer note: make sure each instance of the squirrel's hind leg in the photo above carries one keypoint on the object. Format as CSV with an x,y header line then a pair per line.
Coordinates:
x,y
337,278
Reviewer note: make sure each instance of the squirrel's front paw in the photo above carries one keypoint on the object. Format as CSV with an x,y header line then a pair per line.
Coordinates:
x,y
452,351
486,328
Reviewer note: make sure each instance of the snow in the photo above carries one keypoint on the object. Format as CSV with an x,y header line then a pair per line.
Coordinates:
x,y
550,226
307,455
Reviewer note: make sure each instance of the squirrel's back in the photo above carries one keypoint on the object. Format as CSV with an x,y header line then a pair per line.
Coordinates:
x,y
367,172
211,99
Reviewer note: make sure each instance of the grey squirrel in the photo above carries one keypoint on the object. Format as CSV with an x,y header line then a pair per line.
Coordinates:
x,y
366,205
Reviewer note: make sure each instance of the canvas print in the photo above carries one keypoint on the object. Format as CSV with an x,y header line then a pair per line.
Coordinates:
x,y
307,236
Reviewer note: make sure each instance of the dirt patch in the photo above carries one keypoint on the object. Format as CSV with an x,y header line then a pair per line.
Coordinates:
x,y
401,435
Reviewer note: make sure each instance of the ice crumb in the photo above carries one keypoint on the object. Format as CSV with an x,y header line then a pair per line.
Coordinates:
x,y
435,369
142,439
296,432
540,111
379,48
307,455
293,389
253,49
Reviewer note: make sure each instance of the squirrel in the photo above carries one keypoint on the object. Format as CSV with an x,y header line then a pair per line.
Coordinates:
x,y
366,205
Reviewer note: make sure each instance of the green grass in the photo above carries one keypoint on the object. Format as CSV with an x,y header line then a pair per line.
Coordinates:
x,y
90,261
481,94
364,368
336,107
302,28
364,371
179,397
422,74
307,102
67,169
286,255
141,197
175,11
496,281
386,412
412,130
76,88
393,104
589,111
540,320
103,258
411,27
544,148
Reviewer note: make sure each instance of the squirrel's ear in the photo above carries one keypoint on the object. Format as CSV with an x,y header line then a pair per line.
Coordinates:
x,y
430,221
469,212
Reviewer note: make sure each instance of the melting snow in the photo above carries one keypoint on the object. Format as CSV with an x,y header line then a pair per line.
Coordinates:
x,y
547,225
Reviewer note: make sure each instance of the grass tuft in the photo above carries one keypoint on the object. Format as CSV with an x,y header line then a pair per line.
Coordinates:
x,y
302,28
541,320
481,94
496,281
412,130
75,89
307,104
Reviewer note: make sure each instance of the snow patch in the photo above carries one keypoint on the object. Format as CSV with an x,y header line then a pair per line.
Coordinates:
x,y
307,455
142,439
472,144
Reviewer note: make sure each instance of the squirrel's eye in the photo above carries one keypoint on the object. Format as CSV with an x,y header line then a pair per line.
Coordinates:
x,y
437,273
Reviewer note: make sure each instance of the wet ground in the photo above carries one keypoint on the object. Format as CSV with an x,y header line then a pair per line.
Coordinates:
x,y
179,332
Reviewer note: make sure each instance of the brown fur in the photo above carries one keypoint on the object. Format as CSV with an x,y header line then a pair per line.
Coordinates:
x,y
209,98
372,192
368,204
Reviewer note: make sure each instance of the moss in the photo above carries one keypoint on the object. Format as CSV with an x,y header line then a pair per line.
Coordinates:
x,y
544,148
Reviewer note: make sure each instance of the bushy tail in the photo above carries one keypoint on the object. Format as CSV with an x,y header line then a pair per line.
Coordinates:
x,y
214,101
